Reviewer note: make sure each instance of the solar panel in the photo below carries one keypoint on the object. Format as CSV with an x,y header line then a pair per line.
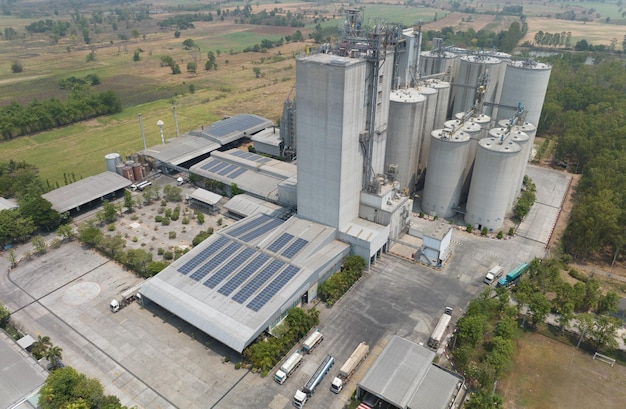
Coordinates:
x,y
201,256
217,164
294,248
274,287
261,230
238,153
280,242
244,274
237,123
219,167
229,267
209,164
236,173
228,169
214,261
256,283
239,230
263,159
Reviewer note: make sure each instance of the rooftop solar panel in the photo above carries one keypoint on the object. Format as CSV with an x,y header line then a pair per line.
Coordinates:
x,y
215,261
273,288
273,223
294,248
237,173
218,164
280,242
237,152
229,267
238,123
256,283
263,159
239,230
244,274
219,167
202,255
209,164
228,169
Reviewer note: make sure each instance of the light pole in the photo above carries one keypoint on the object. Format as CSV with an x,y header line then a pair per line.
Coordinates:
x,y
160,125
176,120
143,136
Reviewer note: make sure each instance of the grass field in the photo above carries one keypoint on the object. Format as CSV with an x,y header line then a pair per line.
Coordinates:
x,y
549,374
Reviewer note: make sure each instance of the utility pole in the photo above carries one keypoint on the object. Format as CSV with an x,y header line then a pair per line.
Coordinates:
x,y
143,136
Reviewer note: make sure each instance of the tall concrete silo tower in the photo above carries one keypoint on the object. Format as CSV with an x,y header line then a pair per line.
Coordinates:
x,y
446,172
526,127
406,117
437,61
524,82
487,203
443,98
473,69
430,112
522,139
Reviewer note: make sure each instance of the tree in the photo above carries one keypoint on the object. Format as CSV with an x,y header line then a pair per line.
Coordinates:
x,y
89,234
538,307
17,67
189,44
40,211
39,244
5,316
192,67
136,56
129,203
172,193
604,330
40,346
110,212
135,34
470,329
66,232
138,260
608,303
583,322
257,72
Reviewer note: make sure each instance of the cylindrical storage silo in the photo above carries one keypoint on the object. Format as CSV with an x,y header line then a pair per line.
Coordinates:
x,y
137,172
428,125
475,132
406,116
524,82
526,127
491,183
127,172
112,160
443,98
436,62
471,69
446,171
119,169
520,138
481,119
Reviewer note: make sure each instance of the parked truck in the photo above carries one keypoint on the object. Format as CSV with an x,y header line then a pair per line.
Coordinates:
x,y
312,341
287,368
126,298
349,367
512,278
301,396
440,329
493,274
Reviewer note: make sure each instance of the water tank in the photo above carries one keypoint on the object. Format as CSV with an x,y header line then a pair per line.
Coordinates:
x,y
406,117
446,172
524,82
436,62
491,183
428,125
443,99
526,127
119,169
127,172
112,160
137,172
522,139
471,69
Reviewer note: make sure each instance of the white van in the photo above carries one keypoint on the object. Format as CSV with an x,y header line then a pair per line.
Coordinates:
x,y
493,274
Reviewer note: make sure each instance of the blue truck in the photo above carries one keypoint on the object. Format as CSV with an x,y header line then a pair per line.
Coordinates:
x,y
513,276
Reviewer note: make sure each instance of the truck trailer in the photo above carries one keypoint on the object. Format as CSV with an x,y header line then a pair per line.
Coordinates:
x,y
513,276
349,367
440,329
301,396
287,368
312,341
126,298
493,274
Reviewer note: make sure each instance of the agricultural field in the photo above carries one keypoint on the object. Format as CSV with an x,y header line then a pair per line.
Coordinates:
x,y
549,374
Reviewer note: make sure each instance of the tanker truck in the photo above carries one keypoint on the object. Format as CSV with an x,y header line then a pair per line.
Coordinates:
x,y
349,368
301,396
288,367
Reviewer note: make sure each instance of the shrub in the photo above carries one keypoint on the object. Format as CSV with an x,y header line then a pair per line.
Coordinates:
x,y
500,235
185,220
111,227
220,221
168,255
168,213
511,231
469,228
200,218
165,221
484,231
421,215
577,275
238,365
200,237
55,243
160,251
172,235
339,283
158,218
135,239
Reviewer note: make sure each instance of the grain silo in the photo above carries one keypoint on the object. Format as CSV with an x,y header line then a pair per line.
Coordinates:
x,y
436,62
472,68
443,98
112,160
430,111
524,82
522,139
446,171
526,127
476,133
481,119
406,116
491,183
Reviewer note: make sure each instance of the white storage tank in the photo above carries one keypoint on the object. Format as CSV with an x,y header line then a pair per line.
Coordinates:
x,y
112,160
436,62
430,111
475,132
522,139
471,69
487,203
524,82
528,128
446,171
406,117
443,99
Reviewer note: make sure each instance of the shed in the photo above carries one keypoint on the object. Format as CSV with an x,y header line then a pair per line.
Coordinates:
x,y
205,199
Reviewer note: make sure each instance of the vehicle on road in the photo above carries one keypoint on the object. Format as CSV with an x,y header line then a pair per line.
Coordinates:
x,y
126,298
349,367
301,396
312,341
493,274
287,368
511,279
441,328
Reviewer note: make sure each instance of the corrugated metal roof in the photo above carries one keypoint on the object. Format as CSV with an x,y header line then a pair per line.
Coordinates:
x,y
236,127
269,136
246,205
7,204
84,191
182,149
205,196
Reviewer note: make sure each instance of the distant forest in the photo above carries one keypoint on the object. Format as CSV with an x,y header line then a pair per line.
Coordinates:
x,y
585,107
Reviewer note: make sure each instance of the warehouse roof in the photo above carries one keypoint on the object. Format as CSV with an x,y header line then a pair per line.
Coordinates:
x,y
246,205
182,149
85,190
205,196
269,136
404,376
240,280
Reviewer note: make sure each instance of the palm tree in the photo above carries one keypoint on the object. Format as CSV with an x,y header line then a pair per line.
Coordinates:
x,y
40,347
54,354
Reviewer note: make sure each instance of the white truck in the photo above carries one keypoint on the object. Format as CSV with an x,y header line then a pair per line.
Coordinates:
x,y
440,330
493,275
312,341
299,399
126,298
287,368
349,368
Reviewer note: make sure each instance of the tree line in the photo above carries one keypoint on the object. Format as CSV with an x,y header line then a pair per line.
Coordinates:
x,y
81,104
504,41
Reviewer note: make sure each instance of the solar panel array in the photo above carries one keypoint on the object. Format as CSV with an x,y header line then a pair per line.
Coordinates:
x,y
237,123
256,283
239,230
237,173
251,235
250,156
215,261
268,292
229,267
201,256
280,242
209,164
294,248
228,169
244,274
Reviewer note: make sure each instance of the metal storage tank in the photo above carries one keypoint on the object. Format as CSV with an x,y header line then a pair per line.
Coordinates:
x,y
520,138
428,125
481,119
475,132
471,69
526,127
406,117
112,160
137,172
446,171
127,172
443,98
436,62
119,169
524,82
491,183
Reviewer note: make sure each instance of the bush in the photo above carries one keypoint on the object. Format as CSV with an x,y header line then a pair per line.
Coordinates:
x,y
165,221
185,220
158,218
469,228
484,231
421,215
511,231
339,283
135,239
172,235
500,235
200,237
238,365
160,251
200,218
577,275
168,255
111,227
55,243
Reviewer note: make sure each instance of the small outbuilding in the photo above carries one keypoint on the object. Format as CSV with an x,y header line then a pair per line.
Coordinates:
x,y
206,200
